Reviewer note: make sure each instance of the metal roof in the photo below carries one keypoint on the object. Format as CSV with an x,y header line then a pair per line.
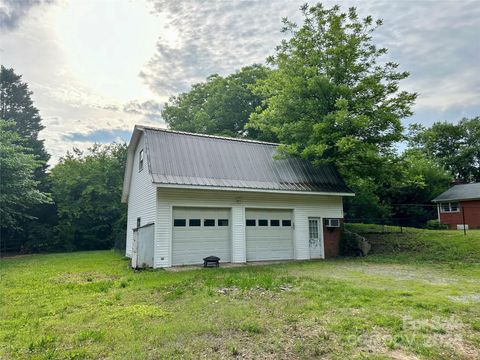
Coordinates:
x,y
460,192
179,158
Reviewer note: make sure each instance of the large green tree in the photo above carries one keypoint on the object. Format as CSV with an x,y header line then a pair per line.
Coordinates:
x,y
455,146
332,98
18,187
86,187
219,106
16,104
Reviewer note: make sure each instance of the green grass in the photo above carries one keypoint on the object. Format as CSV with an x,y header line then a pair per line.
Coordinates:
x,y
422,245
90,305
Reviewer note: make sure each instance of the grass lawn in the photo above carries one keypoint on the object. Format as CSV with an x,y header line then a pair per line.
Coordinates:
x,y
397,303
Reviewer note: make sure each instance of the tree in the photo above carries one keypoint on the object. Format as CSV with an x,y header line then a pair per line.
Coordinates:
x,y
421,179
87,189
455,146
331,100
16,104
18,187
219,106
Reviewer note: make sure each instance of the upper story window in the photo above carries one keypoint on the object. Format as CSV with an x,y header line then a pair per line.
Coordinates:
x,y
140,160
449,207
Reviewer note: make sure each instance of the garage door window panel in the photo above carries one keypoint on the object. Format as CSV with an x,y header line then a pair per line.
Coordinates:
x,y
179,222
286,223
251,222
262,222
209,222
194,222
222,222
274,223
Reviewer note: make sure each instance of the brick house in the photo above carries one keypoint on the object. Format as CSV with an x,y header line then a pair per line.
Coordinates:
x,y
458,205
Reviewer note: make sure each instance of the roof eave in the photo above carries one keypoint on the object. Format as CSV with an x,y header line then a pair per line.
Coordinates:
x,y
455,199
220,188
132,145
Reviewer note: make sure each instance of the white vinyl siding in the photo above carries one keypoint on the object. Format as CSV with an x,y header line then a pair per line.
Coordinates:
x,y
302,207
141,198
267,242
190,244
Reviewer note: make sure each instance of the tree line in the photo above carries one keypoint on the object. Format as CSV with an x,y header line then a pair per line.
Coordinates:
x,y
327,94
74,206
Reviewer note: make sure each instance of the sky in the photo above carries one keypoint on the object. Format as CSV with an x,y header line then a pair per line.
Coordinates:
x,y
98,67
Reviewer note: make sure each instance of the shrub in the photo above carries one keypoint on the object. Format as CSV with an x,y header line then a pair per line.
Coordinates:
x,y
435,225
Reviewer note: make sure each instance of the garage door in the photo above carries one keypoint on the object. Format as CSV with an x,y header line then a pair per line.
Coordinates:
x,y
200,232
269,234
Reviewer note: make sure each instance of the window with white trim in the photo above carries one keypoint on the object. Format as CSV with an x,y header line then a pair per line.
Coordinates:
x,y
449,207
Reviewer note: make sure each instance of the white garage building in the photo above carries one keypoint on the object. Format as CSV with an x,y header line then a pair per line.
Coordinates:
x,y
191,195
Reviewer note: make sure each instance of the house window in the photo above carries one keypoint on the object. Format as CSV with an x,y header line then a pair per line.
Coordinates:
x,y
140,160
286,222
262,222
179,222
194,222
449,207
138,222
251,222
222,222
209,222
274,222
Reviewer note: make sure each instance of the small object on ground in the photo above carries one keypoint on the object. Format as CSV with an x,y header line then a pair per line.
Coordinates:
x,y
286,287
212,260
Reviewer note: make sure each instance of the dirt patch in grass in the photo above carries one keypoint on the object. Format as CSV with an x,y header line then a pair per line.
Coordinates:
x,y
467,298
403,273
400,273
255,292
401,355
292,341
83,278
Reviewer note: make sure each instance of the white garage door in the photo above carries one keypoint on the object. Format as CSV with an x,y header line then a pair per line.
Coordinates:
x,y
269,234
198,233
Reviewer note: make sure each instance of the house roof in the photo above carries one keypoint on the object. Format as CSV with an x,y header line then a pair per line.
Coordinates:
x,y
195,160
460,192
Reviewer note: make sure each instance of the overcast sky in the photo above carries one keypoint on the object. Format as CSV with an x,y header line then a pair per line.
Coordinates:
x,y
98,67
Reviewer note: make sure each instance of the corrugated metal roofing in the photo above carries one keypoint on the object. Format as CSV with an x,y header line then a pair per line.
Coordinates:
x,y
201,160
460,192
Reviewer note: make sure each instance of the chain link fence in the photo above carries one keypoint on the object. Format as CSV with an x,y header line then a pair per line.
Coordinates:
x,y
417,217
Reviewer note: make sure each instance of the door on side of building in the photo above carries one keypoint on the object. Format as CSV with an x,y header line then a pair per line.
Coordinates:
x,y
315,238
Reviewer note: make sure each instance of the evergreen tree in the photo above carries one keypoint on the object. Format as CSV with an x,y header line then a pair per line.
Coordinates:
x,y
16,104
18,187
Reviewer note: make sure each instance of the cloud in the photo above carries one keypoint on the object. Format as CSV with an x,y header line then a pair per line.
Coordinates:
x,y
149,109
212,37
88,89
437,44
102,136
12,11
